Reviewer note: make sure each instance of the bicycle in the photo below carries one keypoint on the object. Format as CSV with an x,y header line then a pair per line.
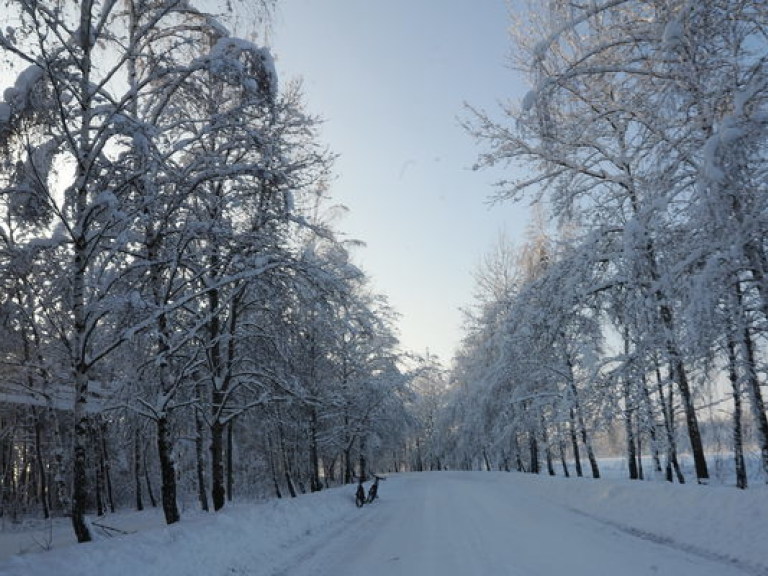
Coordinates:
x,y
373,491
360,494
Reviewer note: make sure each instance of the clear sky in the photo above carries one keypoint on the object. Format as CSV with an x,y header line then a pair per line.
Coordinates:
x,y
390,79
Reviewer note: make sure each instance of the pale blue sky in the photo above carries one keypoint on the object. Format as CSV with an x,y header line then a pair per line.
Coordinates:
x,y
390,80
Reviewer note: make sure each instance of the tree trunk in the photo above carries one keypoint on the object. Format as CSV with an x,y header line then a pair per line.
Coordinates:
x,y
580,419
518,456
41,469
284,457
273,468
667,404
533,449
202,493
79,272
486,460
24,481
217,465
348,468
5,472
137,468
219,386
419,463
629,428
575,442
756,397
639,440
650,423
694,435
106,467
58,468
738,444
99,488
167,471
314,460
547,447
590,453
562,448
79,475
230,460
678,375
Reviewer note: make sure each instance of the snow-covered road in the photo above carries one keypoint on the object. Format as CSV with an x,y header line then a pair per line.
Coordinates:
x,y
435,523
465,524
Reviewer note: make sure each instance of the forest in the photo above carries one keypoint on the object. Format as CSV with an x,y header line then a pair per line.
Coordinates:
x,y
178,316
180,320
637,306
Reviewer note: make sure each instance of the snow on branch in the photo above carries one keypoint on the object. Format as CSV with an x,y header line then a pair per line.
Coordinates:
x,y
541,48
732,129
238,60
19,98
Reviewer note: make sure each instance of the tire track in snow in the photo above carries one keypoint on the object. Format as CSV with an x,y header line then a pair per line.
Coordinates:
x,y
342,539
669,542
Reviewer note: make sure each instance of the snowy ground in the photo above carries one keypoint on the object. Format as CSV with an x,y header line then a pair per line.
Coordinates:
x,y
442,523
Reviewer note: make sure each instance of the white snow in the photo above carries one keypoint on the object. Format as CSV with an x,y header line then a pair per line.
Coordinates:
x,y
17,96
673,33
447,523
224,56
217,26
529,101
710,165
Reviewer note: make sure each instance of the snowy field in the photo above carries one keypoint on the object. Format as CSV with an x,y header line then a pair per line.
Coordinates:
x,y
442,523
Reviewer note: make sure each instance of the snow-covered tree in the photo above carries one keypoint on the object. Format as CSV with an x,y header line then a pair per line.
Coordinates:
x,y
157,253
644,132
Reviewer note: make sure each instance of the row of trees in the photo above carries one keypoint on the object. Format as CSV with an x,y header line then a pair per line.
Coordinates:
x,y
644,136
177,314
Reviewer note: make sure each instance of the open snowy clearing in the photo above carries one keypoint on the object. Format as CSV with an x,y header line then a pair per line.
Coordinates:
x,y
449,523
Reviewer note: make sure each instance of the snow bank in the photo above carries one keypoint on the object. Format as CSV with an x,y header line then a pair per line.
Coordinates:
x,y
720,520
251,537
